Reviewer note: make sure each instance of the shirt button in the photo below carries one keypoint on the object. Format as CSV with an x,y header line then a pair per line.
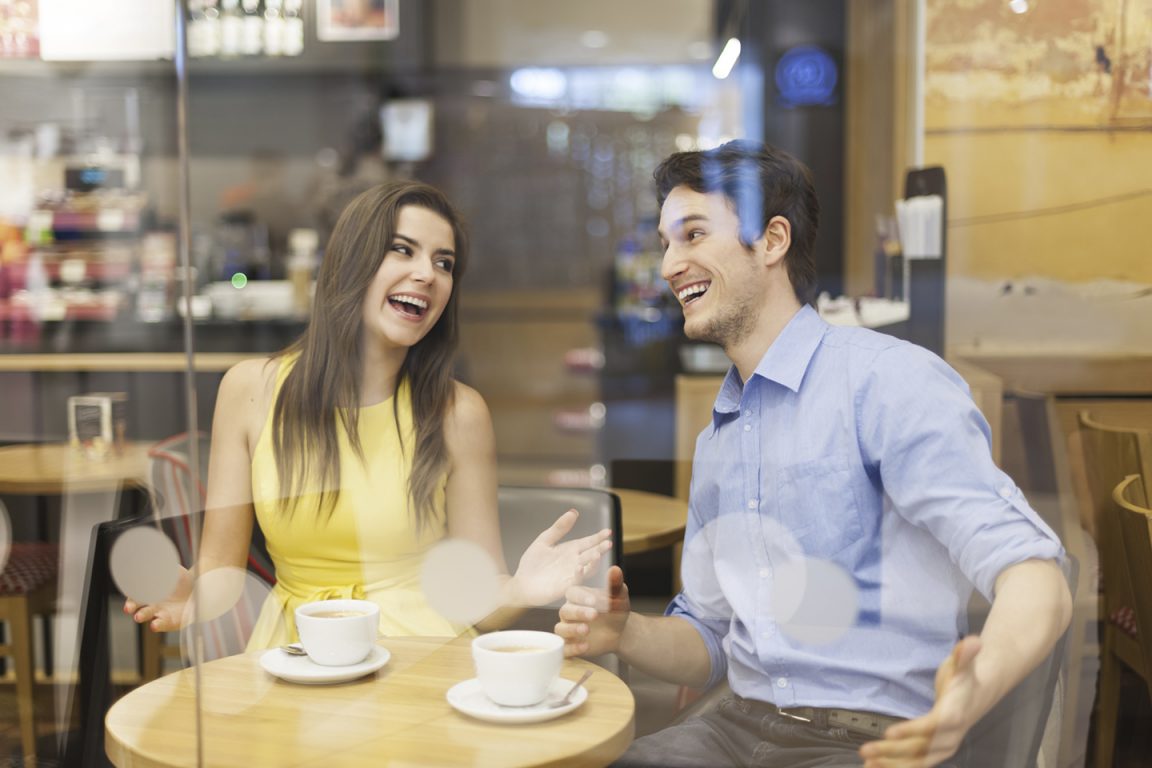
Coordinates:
x,y
751,503
1005,492
747,427
782,682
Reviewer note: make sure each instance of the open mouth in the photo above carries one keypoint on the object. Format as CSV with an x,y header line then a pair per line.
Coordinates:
x,y
692,293
412,306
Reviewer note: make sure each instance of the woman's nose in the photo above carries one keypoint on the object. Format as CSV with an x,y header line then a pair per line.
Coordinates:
x,y
422,270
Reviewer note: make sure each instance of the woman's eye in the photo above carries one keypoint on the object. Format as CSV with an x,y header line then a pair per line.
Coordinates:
x,y
446,264
401,248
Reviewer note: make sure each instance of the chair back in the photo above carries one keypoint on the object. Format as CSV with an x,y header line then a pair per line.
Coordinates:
x,y
1110,455
224,635
1011,733
177,494
526,511
1134,519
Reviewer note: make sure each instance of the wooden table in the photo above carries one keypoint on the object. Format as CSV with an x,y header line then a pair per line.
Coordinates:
x,y
650,520
90,492
399,717
54,468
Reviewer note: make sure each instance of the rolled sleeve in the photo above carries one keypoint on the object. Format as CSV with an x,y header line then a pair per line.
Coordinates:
x,y
712,631
931,446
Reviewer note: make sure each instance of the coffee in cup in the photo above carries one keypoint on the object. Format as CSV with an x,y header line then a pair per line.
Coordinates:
x,y
336,633
516,668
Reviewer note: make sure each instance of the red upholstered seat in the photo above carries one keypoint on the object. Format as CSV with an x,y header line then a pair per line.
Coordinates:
x,y
30,565
1125,620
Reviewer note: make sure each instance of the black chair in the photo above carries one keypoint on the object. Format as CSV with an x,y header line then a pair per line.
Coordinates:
x,y
94,694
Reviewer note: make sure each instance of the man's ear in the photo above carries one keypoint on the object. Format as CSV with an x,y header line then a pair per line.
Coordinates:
x,y
776,240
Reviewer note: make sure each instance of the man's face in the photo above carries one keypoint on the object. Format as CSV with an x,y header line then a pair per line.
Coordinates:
x,y
720,283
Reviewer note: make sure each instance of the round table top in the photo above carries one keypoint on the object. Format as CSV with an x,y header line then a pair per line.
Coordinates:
x,y
650,520
54,468
397,716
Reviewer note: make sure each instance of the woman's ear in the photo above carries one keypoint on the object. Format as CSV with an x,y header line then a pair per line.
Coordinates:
x,y
776,240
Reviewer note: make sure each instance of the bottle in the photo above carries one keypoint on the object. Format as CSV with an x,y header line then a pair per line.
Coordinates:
x,y
301,264
231,28
273,28
252,41
292,36
209,37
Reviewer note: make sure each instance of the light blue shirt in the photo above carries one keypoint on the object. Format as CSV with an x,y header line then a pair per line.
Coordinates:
x,y
844,503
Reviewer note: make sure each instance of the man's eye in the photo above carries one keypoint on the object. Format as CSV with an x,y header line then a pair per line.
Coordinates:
x,y
695,233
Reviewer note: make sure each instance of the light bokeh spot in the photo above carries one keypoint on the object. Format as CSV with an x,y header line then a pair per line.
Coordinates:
x,y
145,565
460,581
219,590
814,601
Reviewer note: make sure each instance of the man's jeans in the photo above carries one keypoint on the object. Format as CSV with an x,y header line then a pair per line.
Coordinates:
x,y
735,734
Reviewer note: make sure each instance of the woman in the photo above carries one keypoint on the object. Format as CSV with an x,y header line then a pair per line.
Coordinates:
x,y
356,449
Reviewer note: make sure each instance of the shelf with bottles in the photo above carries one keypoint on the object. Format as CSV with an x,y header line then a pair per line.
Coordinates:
x,y
230,29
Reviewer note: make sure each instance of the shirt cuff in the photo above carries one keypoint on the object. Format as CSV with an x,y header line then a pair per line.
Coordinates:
x,y
711,632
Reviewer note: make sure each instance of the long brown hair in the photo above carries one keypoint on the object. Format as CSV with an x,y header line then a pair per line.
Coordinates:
x,y
324,384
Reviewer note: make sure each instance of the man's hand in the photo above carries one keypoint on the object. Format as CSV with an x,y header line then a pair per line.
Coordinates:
x,y
934,737
592,620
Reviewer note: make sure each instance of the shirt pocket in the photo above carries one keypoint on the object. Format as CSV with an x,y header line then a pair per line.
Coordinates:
x,y
816,503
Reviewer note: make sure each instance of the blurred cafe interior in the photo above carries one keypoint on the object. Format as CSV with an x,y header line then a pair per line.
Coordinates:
x,y
171,171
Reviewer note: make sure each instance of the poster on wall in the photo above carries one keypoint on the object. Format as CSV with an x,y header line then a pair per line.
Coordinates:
x,y
19,30
357,19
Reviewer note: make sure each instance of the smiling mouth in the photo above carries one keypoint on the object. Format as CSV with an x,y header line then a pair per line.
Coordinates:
x,y
409,305
692,293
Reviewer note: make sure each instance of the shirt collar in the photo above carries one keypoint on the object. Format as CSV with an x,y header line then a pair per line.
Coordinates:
x,y
785,362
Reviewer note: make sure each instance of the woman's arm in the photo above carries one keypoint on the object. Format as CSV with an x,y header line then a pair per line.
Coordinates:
x,y
241,403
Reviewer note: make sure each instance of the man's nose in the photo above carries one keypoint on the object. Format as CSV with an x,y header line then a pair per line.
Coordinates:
x,y
672,265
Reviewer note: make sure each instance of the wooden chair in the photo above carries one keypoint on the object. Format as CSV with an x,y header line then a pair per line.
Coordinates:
x,y
1111,454
27,589
1134,518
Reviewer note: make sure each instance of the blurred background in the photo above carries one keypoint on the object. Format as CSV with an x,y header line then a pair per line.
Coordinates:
x,y
1028,123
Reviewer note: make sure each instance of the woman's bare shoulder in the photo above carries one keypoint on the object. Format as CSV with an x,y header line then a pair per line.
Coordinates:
x,y
468,407
250,380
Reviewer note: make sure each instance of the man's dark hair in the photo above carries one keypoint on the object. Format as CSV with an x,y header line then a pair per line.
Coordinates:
x,y
759,182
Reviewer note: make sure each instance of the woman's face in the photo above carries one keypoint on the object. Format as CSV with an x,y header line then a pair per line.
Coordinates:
x,y
411,288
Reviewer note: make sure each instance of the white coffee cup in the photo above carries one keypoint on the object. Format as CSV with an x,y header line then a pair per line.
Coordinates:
x,y
337,633
516,668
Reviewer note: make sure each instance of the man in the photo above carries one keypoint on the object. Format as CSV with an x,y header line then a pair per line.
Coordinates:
x,y
844,502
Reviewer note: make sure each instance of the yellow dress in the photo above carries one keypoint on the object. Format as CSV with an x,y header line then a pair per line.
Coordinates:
x,y
369,547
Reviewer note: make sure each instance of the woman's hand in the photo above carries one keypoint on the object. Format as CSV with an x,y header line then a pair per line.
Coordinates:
x,y
168,615
548,567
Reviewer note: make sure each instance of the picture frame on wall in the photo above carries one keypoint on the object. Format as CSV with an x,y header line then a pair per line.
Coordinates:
x,y
338,20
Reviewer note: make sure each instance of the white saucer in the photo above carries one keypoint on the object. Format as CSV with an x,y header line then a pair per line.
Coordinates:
x,y
467,697
301,669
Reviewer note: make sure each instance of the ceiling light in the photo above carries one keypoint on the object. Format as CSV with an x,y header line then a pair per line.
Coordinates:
x,y
727,59
1018,6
